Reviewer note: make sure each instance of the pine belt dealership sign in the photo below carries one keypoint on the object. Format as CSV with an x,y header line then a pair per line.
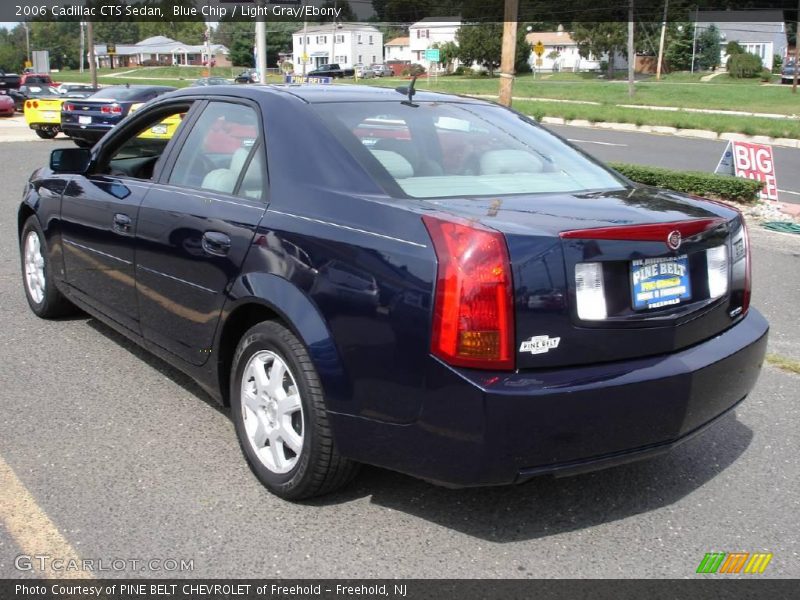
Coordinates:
x,y
753,161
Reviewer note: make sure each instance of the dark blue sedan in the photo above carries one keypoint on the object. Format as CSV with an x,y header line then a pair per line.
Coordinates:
x,y
429,283
87,120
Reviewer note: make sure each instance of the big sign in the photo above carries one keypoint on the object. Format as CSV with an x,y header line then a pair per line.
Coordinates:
x,y
754,161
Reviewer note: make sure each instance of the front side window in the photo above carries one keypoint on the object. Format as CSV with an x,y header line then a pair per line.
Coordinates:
x,y
223,152
435,150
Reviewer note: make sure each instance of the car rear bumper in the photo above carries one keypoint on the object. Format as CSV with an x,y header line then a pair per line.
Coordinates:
x,y
85,132
479,428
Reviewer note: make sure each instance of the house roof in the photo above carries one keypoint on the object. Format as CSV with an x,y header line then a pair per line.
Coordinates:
x,y
428,22
398,41
550,38
158,44
744,26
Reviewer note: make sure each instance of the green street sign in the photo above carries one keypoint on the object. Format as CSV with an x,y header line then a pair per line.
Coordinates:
x,y
432,55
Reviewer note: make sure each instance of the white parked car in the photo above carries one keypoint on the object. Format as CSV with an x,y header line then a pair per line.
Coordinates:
x,y
363,71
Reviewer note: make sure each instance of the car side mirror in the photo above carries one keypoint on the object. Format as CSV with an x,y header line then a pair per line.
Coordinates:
x,y
70,160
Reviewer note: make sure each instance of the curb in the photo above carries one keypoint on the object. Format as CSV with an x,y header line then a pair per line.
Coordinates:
x,y
664,130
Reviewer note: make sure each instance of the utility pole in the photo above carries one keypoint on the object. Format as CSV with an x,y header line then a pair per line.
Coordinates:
x,y
83,46
661,43
796,47
90,43
631,52
509,51
208,49
261,49
332,57
694,38
27,41
304,58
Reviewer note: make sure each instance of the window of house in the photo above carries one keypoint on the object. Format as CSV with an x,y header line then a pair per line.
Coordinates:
x,y
224,143
370,40
358,38
359,58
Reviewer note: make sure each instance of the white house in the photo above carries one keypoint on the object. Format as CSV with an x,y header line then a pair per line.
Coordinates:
x,y
397,49
429,31
760,32
560,52
344,43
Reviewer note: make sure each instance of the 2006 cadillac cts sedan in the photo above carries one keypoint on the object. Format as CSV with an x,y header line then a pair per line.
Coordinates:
x,y
427,283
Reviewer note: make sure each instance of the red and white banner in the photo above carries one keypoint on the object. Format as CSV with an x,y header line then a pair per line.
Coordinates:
x,y
753,161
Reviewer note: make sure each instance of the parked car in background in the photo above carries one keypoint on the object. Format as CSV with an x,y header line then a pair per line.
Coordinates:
x,y
204,81
43,115
381,70
787,73
37,79
31,91
362,71
77,90
87,120
9,81
247,76
331,70
453,292
7,107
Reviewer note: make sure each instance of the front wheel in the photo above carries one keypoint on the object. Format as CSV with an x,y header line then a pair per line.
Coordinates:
x,y
44,298
279,413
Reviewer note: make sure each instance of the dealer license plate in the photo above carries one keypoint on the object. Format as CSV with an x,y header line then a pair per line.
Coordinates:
x,y
159,130
658,282
85,120
49,115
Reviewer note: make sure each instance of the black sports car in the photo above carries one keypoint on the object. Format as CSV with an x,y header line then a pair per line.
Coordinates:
x,y
87,120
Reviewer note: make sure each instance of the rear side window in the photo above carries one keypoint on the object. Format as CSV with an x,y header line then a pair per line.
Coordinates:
x,y
223,153
434,150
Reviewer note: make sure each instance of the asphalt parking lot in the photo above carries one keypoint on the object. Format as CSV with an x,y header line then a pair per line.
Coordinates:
x,y
124,458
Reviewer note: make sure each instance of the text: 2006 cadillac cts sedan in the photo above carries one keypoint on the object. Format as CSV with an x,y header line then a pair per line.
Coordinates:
x,y
427,283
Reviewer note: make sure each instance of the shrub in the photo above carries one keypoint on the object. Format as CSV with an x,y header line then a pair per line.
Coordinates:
x,y
777,63
411,70
744,65
707,185
766,75
733,48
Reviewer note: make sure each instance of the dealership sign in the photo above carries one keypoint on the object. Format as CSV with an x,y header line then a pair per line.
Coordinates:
x,y
753,161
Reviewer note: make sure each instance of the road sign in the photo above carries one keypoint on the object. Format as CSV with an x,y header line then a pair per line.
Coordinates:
x,y
111,48
432,55
304,59
752,161
539,62
301,79
538,49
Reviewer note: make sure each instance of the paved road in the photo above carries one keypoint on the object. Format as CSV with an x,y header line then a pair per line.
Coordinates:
x,y
126,458
676,153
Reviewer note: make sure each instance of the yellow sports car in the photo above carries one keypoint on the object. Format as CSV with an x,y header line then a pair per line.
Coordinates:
x,y
164,130
43,115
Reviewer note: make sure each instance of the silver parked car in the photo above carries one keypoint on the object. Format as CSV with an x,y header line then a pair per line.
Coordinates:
x,y
787,73
381,70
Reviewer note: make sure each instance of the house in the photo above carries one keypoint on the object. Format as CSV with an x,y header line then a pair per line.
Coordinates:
x,y
760,32
160,51
344,43
429,31
397,50
560,52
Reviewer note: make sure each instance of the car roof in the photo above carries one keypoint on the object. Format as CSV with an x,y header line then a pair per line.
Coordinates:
x,y
317,94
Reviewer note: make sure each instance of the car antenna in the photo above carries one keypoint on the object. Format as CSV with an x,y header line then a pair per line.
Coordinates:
x,y
409,91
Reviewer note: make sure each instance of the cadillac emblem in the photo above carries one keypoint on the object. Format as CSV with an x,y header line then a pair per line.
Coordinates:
x,y
674,240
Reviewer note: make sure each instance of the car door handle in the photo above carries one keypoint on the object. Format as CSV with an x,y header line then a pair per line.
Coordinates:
x,y
216,243
122,223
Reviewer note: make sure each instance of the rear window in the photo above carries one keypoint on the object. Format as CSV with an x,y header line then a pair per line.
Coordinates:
x,y
118,93
435,150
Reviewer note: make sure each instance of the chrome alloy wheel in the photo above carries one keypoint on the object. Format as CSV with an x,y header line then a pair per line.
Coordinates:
x,y
272,411
34,267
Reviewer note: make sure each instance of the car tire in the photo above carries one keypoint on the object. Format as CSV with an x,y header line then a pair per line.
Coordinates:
x,y
44,298
46,134
283,426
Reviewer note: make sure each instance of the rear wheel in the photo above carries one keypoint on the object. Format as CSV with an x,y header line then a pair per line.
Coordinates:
x,y
44,298
46,134
279,413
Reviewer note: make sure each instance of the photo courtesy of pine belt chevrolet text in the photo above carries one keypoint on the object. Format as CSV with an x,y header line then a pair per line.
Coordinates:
x,y
427,283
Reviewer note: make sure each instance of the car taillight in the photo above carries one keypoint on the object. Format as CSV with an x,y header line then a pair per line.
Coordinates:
x,y
35,104
28,104
590,291
741,264
111,110
68,107
473,314
717,269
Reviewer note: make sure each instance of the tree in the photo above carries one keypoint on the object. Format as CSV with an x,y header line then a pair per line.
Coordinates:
x,y
12,48
347,13
598,39
482,43
732,48
678,54
448,52
241,51
708,49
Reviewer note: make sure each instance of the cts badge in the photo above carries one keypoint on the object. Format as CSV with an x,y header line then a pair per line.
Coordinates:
x,y
539,344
